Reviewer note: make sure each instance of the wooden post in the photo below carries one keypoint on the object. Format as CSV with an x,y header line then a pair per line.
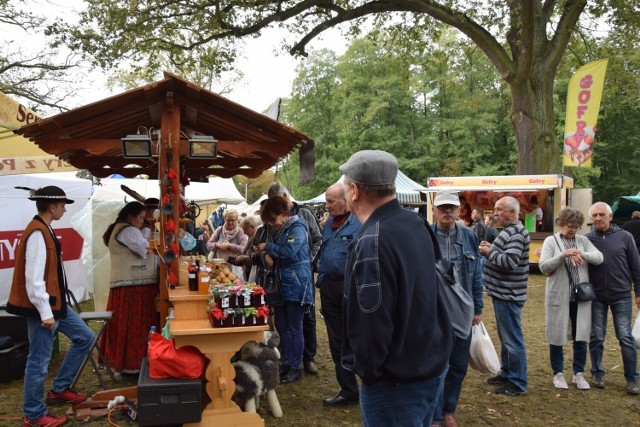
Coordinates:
x,y
169,157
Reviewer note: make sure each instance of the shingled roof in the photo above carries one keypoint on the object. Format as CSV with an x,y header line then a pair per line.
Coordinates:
x,y
89,137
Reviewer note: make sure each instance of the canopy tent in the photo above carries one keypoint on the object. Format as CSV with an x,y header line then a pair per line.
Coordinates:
x,y
249,209
217,190
623,207
107,200
407,192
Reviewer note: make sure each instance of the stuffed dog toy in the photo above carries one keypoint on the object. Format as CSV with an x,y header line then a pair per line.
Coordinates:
x,y
257,374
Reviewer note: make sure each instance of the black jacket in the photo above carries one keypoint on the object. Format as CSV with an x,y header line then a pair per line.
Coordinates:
x,y
612,279
396,330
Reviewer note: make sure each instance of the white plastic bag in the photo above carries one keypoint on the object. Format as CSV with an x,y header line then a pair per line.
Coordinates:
x,y
636,331
252,274
482,354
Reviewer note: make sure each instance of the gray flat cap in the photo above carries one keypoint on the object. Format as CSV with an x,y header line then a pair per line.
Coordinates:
x,y
371,167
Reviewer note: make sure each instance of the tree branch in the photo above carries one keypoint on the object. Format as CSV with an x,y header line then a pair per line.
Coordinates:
x,y
570,15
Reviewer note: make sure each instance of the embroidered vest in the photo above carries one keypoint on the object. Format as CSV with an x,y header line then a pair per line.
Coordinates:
x,y
127,267
54,278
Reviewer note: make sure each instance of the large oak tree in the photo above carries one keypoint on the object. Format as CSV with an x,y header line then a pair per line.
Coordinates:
x,y
524,40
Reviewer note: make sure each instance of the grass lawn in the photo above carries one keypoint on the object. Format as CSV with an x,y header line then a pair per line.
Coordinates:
x,y
544,405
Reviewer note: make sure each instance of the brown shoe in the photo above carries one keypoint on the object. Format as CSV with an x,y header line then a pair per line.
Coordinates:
x,y
310,367
448,421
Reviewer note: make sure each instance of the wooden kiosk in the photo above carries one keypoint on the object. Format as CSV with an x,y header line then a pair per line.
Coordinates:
x,y
191,327
174,115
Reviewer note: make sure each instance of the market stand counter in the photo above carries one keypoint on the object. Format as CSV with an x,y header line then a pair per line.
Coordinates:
x,y
191,326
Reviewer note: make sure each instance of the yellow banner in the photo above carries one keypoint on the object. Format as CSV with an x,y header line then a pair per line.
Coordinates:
x,y
583,102
33,164
13,114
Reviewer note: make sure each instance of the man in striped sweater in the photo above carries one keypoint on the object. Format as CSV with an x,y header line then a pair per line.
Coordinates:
x,y
506,271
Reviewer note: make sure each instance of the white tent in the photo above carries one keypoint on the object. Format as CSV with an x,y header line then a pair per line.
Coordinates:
x,y
246,208
16,210
107,200
407,192
217,190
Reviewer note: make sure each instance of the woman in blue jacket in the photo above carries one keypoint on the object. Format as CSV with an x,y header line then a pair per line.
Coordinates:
x,y
288,251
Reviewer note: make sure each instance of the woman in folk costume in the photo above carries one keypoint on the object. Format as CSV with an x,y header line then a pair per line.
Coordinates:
x,y
563,254
133,289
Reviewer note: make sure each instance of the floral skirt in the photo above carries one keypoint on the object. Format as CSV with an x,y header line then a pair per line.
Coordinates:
x,y
124,340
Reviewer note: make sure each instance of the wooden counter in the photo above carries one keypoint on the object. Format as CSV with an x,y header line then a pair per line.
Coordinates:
x,y
191,327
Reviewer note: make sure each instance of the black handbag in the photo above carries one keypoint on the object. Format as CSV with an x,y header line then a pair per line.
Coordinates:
x,y
272,289
582,291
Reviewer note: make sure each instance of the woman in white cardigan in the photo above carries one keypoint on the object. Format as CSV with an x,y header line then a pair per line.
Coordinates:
x,y
562,254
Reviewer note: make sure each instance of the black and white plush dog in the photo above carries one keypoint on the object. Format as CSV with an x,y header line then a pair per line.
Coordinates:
x,y
257,374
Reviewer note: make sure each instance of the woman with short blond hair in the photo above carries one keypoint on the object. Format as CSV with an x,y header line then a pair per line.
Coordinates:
x,y
228,239
563,254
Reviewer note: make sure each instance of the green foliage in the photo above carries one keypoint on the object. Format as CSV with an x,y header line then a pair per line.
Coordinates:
x,y
523,41
437,106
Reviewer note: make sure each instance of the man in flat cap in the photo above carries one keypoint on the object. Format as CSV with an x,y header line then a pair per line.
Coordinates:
x,y
396,338
458,245
38,293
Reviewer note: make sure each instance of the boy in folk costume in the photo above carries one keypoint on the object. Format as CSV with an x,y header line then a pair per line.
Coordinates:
x,y
38,293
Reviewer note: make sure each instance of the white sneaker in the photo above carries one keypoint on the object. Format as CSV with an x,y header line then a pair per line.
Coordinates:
x,y
580,381
559,381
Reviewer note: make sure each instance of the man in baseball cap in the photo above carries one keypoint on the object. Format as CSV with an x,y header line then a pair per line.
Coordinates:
x,y
459,245
390,276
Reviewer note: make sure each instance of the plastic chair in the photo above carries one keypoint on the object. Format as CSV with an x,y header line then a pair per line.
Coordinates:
x,y
92,316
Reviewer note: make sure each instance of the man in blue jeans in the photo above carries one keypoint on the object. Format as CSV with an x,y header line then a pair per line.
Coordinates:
x,y
458,245
397,336
506,273
38,293
612,282
337,233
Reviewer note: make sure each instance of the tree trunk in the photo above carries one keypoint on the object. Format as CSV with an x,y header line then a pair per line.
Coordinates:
x,y
533,122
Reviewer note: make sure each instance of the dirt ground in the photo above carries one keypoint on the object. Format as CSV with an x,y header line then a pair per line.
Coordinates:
x,y
479,405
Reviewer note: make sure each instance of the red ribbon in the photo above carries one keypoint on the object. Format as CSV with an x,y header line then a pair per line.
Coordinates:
x,y
172,175
170,226
263,311
217,314
173,279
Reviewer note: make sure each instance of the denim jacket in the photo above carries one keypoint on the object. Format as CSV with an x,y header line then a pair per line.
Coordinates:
x,y
469,264
335,245
290,251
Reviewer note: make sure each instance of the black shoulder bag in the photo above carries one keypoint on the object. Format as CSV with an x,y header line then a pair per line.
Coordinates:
x,y
455,299
582,291
271,285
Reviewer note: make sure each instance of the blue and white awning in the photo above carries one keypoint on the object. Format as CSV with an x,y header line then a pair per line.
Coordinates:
x,y
407,192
